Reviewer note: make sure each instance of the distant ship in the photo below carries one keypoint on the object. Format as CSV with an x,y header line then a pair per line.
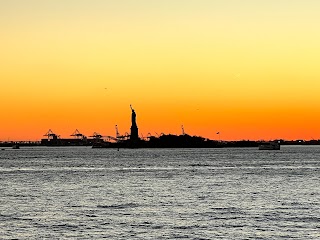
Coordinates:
x,y
269,146
15,146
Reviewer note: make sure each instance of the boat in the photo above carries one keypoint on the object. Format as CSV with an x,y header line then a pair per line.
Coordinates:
x,y
101,145
15,146
269,146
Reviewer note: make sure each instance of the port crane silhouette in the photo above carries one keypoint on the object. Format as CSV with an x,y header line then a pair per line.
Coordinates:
x,y
182,128
97,136
51,135
121,137
118,138
78,135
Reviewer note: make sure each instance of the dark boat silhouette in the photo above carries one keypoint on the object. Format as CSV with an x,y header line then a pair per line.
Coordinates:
x,y
15,146
269,146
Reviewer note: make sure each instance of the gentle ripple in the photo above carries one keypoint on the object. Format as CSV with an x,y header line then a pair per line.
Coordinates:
x,y
84,193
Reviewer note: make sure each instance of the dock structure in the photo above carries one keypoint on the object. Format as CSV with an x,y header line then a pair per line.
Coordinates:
x,y
54,140
19,143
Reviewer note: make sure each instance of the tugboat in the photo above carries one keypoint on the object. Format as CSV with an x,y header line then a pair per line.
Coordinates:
x,y
15,146
269,146
101,145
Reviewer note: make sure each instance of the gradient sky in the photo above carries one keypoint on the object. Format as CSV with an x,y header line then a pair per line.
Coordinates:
x,y
248,69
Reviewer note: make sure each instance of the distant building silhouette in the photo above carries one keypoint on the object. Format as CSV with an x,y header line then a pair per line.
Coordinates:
x,y
134,136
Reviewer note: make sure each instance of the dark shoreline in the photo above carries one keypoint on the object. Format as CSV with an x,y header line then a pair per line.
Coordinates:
x,y
165,141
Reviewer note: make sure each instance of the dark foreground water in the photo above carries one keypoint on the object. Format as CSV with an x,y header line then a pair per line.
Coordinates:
x,y
84,193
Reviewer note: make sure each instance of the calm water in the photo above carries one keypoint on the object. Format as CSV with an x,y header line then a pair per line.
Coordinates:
x,y
84,193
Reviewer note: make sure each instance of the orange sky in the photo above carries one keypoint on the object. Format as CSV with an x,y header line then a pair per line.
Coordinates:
x,y
248,69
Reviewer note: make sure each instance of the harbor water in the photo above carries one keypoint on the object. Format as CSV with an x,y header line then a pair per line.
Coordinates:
x,y
227,193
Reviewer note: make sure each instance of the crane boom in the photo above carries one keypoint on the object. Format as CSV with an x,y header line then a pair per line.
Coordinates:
x,y
182,128
117,132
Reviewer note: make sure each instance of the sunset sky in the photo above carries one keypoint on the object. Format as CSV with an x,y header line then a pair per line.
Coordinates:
x,y
248,69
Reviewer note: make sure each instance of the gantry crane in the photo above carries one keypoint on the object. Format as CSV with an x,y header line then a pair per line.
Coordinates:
x,y
78,135
96,135
119,137
51,135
